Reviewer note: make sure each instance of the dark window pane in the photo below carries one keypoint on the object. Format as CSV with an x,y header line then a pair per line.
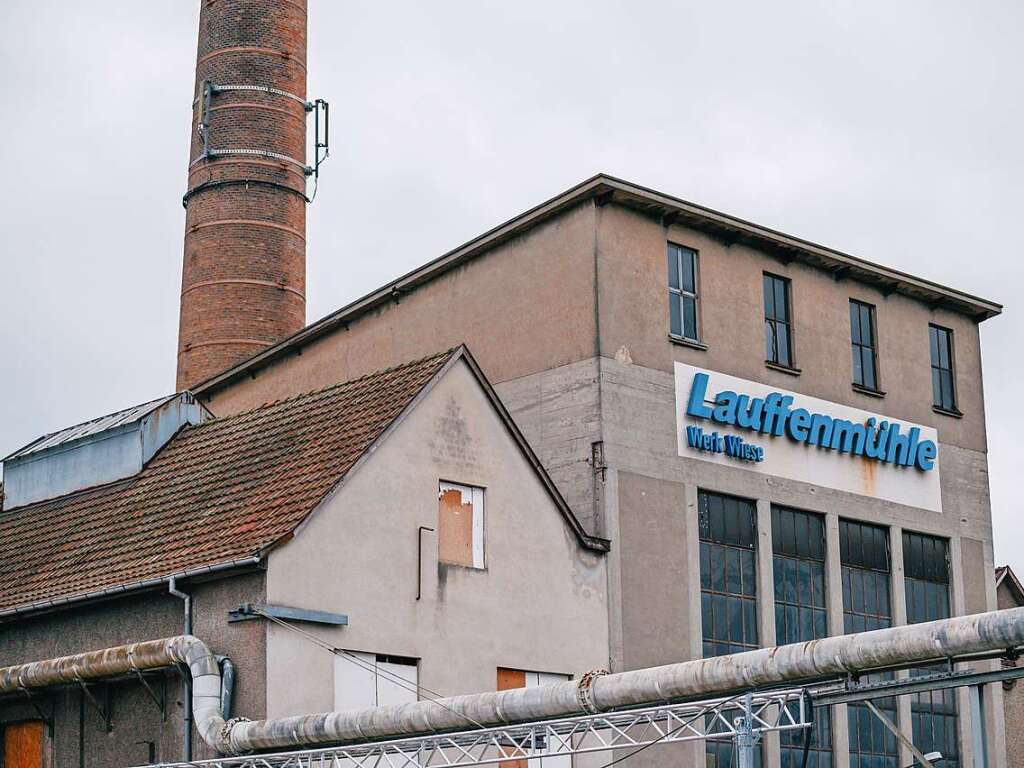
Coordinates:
x,y
727,529
689,317
673,267
675,315
689,259
943,387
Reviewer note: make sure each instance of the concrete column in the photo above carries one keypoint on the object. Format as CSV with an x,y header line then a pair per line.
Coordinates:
x,y
899,617
696,757
693,556
766,604
834,601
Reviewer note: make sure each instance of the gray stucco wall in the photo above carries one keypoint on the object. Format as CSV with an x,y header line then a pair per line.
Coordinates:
x,y
539,605
79,737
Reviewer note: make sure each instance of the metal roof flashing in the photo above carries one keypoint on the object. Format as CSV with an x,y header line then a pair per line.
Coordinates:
x,y
95,452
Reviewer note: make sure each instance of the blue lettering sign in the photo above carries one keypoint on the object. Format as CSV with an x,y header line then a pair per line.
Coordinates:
x,y
773,415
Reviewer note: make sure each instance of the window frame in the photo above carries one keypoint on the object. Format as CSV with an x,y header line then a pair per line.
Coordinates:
x,y
860,346
928,708
941,407
880,743
478,551
679,293
772,359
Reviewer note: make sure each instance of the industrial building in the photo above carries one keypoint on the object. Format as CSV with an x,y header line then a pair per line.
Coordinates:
x,y
693,436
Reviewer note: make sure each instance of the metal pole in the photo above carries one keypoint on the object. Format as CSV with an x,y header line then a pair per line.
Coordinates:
x,y
979,742
745,739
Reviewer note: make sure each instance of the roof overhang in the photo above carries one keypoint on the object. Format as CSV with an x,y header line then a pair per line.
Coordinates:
x,y
604,189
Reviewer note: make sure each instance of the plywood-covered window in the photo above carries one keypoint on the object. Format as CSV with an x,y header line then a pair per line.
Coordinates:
x,y
23,744
374,680
460,525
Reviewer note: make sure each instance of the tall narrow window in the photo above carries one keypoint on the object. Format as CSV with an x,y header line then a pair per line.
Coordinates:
x,y
864,555
682,292
863,345
778,323
943,385
460,525
728,589
926,580
798,546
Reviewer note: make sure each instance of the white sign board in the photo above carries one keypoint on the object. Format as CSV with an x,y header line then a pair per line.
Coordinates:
x,y
782,456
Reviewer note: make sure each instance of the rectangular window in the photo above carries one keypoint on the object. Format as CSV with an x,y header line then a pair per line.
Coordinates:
x,y
682,292
460,525
926,580
798,562
509,679
778,322
864,556
943,384
863,345
728,589
373,680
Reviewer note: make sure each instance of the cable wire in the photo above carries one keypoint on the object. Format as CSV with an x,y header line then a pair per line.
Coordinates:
x,y
398,680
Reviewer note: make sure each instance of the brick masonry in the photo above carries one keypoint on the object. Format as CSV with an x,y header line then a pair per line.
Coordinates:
x,y
244,270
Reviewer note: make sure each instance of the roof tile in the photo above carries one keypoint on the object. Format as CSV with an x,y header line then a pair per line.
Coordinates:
x,y
220,491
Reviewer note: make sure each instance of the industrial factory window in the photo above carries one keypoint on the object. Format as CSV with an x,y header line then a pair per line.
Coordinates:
x,y
926,580
798,562
778,322
864,555
460,525
682,292
22,744
373,680
863,345
943,384
728,589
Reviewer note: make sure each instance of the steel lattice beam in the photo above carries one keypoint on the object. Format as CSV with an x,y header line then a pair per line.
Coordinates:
x,y
693,721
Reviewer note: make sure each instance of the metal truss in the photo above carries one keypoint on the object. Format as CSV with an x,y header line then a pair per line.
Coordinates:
x,y
751,715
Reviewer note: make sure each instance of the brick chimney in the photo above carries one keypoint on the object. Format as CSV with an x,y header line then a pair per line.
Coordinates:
x,y
244,275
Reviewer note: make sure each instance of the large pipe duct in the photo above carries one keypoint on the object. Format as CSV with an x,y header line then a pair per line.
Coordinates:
x,y
816,659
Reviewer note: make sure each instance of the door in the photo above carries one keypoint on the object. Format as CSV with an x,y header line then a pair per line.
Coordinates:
x,y
23,745
517,678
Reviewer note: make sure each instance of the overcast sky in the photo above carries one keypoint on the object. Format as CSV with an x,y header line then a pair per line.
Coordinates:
x,y
888,130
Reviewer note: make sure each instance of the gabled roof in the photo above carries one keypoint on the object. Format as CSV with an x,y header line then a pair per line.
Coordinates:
x,y
1005,574
219,493
603,189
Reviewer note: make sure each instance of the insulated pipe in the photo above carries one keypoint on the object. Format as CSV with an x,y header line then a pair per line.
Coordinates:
x,y
703,678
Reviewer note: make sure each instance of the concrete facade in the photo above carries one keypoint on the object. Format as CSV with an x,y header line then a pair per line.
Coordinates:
x,y
78,736
570,319
539,603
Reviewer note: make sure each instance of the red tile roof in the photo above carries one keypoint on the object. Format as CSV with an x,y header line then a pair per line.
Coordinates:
x,y
221,491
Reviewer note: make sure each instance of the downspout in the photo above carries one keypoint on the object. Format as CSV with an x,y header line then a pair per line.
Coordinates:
x,y
996,631
186,598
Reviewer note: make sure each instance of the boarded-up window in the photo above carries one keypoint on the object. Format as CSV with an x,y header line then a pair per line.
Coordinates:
x,y
23,745
364,680
460,525
518,678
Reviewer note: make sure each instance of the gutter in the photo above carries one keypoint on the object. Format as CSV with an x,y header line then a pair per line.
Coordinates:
x,y
826,658
122,589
